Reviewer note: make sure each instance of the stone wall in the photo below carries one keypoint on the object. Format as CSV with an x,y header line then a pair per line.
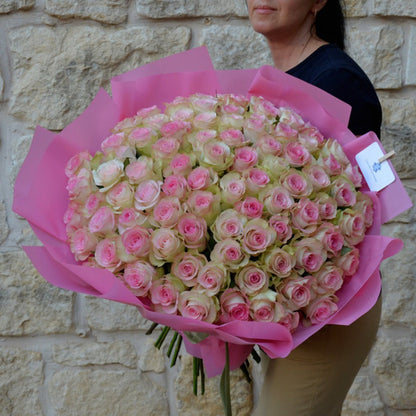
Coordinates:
x,y
67,354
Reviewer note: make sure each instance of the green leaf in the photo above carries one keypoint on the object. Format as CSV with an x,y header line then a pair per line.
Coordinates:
x,y
225,384
195,337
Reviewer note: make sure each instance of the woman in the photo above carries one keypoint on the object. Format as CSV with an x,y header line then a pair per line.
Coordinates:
x,y
306,39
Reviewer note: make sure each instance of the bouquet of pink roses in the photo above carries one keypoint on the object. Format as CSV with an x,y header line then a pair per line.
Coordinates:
x,y
220,208
231,218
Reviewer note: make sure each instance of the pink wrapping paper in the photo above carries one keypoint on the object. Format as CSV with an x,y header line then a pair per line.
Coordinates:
x,y
40,196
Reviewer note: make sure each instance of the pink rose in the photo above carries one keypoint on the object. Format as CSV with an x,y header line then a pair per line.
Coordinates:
x,y
256,179
136,241
106,254
202,102
155,122
263,309
204,204
92,203
229,224
138,277
193,230
147,194
167,212
82,244
102,222
353,174
233,137
327,206
305,216
198,306
229,252
329,279
297,291
205,120
268,145
276,199
120,196
297,154
281,224
217,155
127,219
165,148
233,187
330,164
348,262
252,279
244,158
147,112
279,262
80,186
352,226
80,160
164,296
331,238
257,236
290,320
73,218
199,178
311,138
186,267
112,143
310,254
174,185
234,306
181,164
343,192
141,137
321,309
212,278
139,170
165,245
285,131
108,173
317,176
263,106
250,207
364,205
175,129
296,183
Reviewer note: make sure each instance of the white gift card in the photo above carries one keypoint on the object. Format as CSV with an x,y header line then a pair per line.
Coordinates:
x,y
377,175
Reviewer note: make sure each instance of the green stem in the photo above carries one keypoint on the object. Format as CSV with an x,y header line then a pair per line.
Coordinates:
x,y
172,344
176,352
152,328
195,368
225,384
162,337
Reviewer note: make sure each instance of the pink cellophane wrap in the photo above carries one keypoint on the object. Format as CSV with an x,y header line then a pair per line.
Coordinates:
x,y
41,197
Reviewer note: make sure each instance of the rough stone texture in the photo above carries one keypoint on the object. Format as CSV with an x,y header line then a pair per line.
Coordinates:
x,y
19,149
59,80
363,399
20,378
395,8
74,354
8,6
107,11
377,50
96,392
152,358
29,304
235,47
411,59
399,112
189,405
4,227
190,8
356,8
394,365
1,87
107,315
399,273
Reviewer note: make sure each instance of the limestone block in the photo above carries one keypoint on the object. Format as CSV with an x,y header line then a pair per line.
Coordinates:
x,y
356,8
399,111
399,273
1,87
58,70
189,405
152,358
107,11
7,6
4,227
377,49
190,8
395,8
19,149
29,304
235,47
88,392
107,315
394,365
21,377
411,59
99,353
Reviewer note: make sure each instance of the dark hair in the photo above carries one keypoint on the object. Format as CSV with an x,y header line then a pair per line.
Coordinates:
x,y
330,24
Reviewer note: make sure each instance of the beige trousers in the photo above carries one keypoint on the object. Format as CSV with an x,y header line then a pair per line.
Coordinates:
x,y
316,376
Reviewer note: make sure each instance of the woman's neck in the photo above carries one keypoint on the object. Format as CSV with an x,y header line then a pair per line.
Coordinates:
x,y
287,55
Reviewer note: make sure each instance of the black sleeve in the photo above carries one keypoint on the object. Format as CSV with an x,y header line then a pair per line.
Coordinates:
x,y
359,93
